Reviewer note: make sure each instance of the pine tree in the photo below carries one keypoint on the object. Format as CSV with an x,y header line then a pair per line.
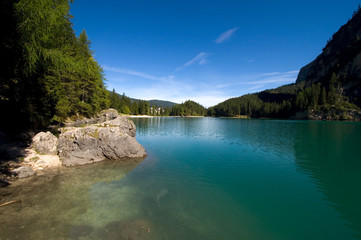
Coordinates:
x,y
52,74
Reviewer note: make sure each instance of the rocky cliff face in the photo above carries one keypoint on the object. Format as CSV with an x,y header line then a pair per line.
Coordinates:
x,y
342,57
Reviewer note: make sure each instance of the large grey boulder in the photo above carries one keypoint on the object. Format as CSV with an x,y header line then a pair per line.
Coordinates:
x,y
108,114
45,143
114,139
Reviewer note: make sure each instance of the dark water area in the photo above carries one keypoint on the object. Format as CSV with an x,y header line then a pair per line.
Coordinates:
x,y
203,178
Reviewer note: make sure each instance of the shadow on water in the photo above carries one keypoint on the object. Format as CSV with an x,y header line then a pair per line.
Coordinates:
x,y
330,154
74,203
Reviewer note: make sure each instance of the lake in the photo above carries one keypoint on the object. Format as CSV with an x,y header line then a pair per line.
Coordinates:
x,y
203,178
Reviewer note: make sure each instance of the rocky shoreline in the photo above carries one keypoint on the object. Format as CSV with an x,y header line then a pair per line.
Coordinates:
x,y
106,136
330,113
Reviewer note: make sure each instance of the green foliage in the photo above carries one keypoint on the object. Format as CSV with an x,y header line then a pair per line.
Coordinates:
x,y
54,75
125,109
125,105
143,107
188,108
119,101
285,101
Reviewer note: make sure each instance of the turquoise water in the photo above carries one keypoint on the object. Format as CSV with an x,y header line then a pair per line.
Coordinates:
x,y
204,178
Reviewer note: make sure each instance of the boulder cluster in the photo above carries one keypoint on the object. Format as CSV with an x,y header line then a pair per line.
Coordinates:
x,y
109,136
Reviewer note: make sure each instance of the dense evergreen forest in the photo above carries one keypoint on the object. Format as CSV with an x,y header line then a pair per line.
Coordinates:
x,y
188,108
286,101
48,73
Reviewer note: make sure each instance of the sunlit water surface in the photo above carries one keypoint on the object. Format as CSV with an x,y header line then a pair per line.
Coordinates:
x,y
203,178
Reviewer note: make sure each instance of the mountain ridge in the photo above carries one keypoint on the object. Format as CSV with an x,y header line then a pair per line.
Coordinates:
x,y
342,56
328,88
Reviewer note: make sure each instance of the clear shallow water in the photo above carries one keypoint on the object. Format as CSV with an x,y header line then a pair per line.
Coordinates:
x,y
204,178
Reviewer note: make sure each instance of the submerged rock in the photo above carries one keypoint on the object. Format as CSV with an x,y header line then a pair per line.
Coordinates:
x,y
23,172
132,229
79,231
160,195
114,139
45,143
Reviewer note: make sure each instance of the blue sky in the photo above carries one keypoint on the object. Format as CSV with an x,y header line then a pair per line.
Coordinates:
x,y
206,51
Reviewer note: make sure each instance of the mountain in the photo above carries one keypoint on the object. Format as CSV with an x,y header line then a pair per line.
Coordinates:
x,y
342,57
161,103
327,88
157,103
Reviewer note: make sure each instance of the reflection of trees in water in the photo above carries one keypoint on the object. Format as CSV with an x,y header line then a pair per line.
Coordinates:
x,y
273,136
176,126
330,153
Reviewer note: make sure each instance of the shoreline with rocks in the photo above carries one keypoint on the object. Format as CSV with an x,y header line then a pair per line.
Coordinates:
x,y
107,136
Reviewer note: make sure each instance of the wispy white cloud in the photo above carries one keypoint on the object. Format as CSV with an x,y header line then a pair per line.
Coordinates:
x,y
269,74
275,77
168,78
249,60
261,80
256,87
271,80
200,59
207,92
291,73
226,35
176,91
203,61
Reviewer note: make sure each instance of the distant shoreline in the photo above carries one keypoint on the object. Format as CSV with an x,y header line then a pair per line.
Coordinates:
x,y
148,116
138,116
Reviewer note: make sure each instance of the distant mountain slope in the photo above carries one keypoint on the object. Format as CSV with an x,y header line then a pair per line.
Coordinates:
x,y
342,57
157,103
327,88
127,105
161,103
